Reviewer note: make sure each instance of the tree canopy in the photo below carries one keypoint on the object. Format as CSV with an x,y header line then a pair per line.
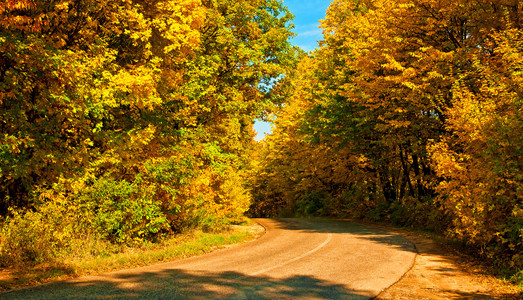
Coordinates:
x,y
130,119
409,111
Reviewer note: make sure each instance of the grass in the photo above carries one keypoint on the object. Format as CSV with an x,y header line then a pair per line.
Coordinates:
x,y
191,243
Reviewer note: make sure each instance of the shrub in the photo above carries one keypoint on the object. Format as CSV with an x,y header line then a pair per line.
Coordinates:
x,y
120,211
26,237
312,203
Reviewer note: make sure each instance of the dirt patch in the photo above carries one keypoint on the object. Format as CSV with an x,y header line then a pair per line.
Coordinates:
x,y
253,228
440,273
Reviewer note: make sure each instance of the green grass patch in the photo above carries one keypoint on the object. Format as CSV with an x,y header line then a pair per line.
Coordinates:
x,y
89,262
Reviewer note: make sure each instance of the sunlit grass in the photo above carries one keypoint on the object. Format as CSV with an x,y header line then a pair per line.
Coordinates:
x,y
89,262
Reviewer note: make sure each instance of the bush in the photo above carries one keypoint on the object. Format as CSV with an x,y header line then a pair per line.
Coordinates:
x,y
312,203
116,203
113,211
27,238
120,211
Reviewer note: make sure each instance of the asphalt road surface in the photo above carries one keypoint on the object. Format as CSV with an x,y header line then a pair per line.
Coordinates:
x,y
295,259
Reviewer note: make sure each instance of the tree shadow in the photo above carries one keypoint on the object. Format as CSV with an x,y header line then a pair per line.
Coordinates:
x,y
173,283
28,274
181,284
392,239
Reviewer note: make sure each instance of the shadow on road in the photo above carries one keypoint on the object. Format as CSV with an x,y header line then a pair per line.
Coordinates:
x,y
345,227
175,283
178,284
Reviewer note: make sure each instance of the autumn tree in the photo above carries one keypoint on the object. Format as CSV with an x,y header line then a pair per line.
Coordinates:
x,y
423,96
480,163
126,119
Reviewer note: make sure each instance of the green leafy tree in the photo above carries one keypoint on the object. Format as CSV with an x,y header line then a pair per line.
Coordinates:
x,y
132,118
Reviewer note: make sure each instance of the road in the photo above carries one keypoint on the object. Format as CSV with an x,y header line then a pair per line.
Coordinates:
x,y
294,259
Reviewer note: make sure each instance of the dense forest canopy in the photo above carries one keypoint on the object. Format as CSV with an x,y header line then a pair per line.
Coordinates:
x,y
411,112
126,120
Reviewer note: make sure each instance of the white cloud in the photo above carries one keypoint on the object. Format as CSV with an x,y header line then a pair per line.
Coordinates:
x,y
315,33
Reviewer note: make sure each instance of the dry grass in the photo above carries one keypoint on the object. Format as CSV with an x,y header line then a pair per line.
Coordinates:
x,y
90,262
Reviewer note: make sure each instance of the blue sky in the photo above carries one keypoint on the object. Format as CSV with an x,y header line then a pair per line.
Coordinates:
x,y
307,14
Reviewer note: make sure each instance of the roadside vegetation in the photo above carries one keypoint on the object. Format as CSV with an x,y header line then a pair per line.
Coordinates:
x,y
125,124
409,112
99,256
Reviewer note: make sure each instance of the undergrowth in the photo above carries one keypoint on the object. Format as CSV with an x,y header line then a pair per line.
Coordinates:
x,y
96,256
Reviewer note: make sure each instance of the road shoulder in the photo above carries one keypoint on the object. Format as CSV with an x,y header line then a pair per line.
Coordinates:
x,y
186,245
440,273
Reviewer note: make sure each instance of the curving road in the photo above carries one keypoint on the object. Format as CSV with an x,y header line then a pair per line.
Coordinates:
x,y
295,259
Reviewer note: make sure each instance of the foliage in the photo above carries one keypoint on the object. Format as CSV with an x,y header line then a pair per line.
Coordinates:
x,y
125,120
480,164
410,111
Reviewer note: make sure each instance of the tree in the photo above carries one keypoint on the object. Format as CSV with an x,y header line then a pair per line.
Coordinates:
x,y
423,98
132,118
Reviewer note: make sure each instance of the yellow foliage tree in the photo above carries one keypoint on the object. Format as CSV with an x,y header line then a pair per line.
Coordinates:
x,y
420,103
135,116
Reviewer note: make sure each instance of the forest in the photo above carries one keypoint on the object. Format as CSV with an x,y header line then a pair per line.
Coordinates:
x,y
409,112
124,122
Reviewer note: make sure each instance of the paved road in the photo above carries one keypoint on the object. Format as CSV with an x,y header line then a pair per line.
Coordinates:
x,y
295,259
